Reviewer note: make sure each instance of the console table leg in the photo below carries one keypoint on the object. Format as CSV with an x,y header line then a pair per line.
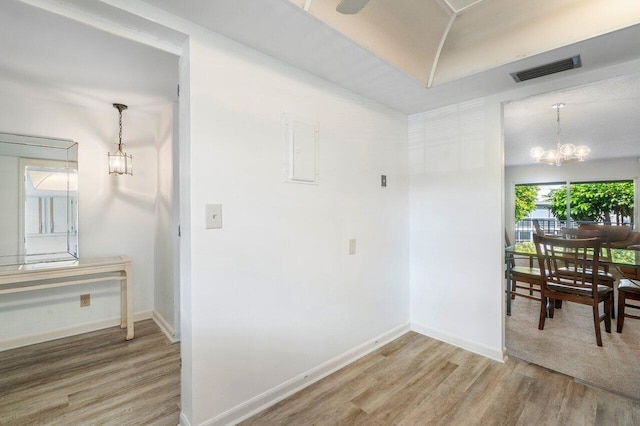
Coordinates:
x,y
129,292
123,303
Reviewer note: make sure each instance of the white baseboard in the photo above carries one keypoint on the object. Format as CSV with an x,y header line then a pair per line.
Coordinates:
x,y
184,421
68,331
475,347
165,327
141,316
295,384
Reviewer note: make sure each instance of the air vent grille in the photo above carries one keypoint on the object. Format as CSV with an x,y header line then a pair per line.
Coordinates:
x,y
551,68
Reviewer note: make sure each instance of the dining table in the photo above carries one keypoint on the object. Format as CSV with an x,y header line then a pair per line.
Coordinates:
x,y
618,257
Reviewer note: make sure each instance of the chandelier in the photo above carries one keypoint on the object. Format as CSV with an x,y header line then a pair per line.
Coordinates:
x,y
563,153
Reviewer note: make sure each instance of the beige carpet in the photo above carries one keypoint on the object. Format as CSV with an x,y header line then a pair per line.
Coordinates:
x,y
568,345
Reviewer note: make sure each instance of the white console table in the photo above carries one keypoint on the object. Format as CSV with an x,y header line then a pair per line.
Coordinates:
x,y
36,276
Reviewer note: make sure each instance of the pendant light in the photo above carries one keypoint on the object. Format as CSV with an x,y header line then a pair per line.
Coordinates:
x,y
120,163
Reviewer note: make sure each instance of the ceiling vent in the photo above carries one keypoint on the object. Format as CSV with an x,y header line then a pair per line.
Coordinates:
x,y
546,69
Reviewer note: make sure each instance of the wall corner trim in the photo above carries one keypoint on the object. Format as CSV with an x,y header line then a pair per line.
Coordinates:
x,y
184,421
495,354
266,399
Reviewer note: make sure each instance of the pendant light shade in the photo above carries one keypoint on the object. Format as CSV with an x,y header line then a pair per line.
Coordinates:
x,y
120,162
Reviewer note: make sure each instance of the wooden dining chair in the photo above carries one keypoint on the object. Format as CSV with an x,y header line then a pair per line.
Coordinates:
x,y
604,276
627,289
564,265
529,275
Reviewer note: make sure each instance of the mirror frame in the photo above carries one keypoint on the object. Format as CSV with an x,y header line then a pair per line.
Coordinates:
x,y
67,156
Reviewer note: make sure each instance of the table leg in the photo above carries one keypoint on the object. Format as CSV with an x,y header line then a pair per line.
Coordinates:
x,y
508,284
129,296
123,302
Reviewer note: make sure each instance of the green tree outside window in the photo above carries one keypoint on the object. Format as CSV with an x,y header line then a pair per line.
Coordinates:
x,y
596,202
526,196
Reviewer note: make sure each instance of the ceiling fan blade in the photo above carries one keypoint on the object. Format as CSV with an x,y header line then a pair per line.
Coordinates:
x,y
349,7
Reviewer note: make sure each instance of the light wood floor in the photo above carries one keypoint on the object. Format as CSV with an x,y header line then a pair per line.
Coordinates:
x,y
93,379
416,380
99,379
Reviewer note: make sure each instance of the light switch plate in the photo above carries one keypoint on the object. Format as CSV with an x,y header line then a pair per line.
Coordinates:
x,y
352,246
213,216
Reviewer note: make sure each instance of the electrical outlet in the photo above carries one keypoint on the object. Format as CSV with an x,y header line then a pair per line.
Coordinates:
x,y
85,300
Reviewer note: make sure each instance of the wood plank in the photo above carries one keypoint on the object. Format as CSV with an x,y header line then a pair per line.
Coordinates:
x,y
614,410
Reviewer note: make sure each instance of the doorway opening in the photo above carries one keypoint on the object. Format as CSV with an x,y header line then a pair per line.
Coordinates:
x,y
600,192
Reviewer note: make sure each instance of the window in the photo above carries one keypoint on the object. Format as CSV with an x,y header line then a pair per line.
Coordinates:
x,y
556,205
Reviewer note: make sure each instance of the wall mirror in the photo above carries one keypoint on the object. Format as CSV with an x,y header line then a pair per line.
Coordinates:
x,y
39,193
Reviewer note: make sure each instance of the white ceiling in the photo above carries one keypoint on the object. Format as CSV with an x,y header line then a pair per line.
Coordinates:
x,y
438,41
58,57
61,57
605,116
283,30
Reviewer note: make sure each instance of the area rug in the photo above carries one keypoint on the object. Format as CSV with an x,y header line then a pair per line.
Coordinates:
x,y
568,345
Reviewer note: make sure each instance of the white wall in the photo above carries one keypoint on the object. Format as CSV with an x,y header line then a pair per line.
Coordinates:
x,y
165,226
615,169
456,205
117,213
274,293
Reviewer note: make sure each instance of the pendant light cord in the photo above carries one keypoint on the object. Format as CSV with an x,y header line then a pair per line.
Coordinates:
x,y
120,133
120,108
558,136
